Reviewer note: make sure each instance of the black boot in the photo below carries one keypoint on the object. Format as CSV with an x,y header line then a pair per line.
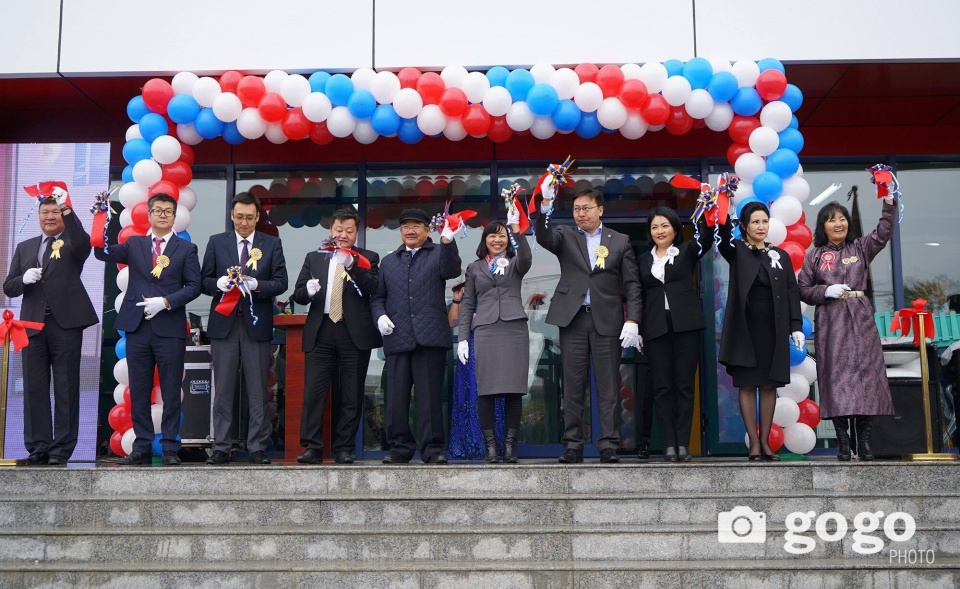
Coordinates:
x,y
490,441
864,427
843,438
509,446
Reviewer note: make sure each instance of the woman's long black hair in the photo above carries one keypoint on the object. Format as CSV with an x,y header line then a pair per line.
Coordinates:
x,y
494,227
671,216
828,211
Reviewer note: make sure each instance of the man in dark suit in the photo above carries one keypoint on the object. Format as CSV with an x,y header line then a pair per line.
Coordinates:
x,y
412,316
339,333
164,277
595,263
46,271
242,337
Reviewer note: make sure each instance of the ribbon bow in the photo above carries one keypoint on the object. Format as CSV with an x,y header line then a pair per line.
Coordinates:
x,y
713,204
911,317
42,191
329,246
511,198
102,214
455,219
17,330
887,185
560,180
237,288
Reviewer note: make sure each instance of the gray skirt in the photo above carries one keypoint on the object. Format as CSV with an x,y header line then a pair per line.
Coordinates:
x,y
503,357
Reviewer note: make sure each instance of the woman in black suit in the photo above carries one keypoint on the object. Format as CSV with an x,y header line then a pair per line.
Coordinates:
x,y
761,321
671,323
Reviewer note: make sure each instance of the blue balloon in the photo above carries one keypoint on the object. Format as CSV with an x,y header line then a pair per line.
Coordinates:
x,y
797,355
498,76
519,83
152,126
127,175
409,132
674,67
318,81
740,206
542,99
183,109
806,327
361,104
385,120
746,102
155,446
207,124
338,89
136,108
136,150
794,122
722,86
566,116
769,63
791,139
231,135
698,72
121,348
184,235
736,235
121,333
767,186
589,127
783,162
295,221
792,96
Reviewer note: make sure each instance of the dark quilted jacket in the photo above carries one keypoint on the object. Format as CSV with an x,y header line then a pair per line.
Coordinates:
x,y
411,291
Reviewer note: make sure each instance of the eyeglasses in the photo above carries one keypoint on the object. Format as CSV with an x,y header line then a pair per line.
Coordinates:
x,y
416,227
583,209
247,218
163,212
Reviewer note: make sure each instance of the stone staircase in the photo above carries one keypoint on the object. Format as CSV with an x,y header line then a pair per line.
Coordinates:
x,y
464,526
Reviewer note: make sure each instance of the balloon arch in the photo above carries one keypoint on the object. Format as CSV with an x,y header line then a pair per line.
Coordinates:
x,y
751,101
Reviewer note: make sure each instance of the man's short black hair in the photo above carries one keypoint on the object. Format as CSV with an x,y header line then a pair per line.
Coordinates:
x,y
593,193
162,198
345,214
246,198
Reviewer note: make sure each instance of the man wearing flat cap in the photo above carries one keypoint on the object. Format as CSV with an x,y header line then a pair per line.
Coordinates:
x,y
412,316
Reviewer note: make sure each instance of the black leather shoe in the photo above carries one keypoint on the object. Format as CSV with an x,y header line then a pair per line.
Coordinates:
x,y
754,458
682,454
170,458
343,457
437,458
259,457
395,458
135,459
670,455
571,456
57,461
643,453
218,457
609,456
37,459
771,458
310,456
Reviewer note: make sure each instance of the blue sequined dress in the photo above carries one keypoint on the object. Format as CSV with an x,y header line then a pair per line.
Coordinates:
x,y
466,438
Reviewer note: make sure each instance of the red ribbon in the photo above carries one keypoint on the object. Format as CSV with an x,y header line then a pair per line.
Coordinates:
x,y
43,190
827,258
96,231
228,302
362,262
559,174
17,330
883,178
908,318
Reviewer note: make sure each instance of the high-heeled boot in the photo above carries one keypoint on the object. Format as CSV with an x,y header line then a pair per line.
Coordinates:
x,y
509,446
490,441
843,438
864,428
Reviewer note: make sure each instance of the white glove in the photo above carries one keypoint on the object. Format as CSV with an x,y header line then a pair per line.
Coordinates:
x,y
630,336
798,339
60,195
32,275
385,325
223,284
252,283
448,233
549,191
152,306
313,287
835,290
463,351
513,215
344,258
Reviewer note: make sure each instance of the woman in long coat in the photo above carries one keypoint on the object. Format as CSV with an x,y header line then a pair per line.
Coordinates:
x,y
761,321
850,367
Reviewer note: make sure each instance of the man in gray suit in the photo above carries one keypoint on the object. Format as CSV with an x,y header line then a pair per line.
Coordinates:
x,y
595,262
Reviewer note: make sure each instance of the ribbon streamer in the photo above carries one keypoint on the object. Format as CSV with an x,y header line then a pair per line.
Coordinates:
x,y
887,185
17,330
910,318
560,179
511,198
456,220
42,191
237,288
713,204
329,247
102,215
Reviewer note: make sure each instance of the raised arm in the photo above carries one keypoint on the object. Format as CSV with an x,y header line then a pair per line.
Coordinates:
x,y
550,239
874,242
79,238
727,249
450,263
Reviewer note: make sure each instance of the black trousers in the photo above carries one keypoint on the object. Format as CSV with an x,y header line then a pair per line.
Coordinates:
x,y
421,368
673,363
59,349
145,351
333,351
644,390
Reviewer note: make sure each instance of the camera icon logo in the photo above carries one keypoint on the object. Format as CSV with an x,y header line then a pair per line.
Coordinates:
x,y
741,525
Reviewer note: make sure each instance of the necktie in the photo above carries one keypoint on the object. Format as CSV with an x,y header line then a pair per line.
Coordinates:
x,y
336,295
47,250
245,254
156,249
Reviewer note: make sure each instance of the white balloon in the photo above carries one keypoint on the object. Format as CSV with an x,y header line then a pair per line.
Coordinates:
x,y
763,141
250,124
748,166
777,232
407,103
776,115
316,107
133,132
156,414
807,369
227,107
720,65
631,71
364,132
797,187
797,389
612,114
130,194
799,438
520,117
453,130
126,442
653,75
699,104
542,73
205,91
745,190
294,89
341,123
274,134
118,393
543,128
384,87
475,86
565,81
634,127
126,218
363,78
188,198
120,373
431,120
188,135
656,128
588,97
803,308
747,71
800,170
165,149
787,209
183,83
720,117
786,412
118,302
676,90
274,80
123,279
497,101
183,219
453,76
146,173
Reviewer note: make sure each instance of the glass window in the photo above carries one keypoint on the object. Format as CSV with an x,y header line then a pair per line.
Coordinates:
x,y
206,219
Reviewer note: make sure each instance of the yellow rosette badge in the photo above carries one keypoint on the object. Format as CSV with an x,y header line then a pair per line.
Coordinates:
x,y
602,253
255,255
162,262
56,249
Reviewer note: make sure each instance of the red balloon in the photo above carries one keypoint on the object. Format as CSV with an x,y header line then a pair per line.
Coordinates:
x,y
771,84
735,151
809,412
499,130
272,107
156,94
610,80
741,127
115,444
801,234
250,89
453,102
295,125
319,134
408,77
633,93
121,267
795,252
775,439
120,418
126,396
295,185
430,86
128,232
229,81
655,109
587,72
186,154
476,120
139,215
679,122
164,187
803,218
269,229
179,172
259,191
